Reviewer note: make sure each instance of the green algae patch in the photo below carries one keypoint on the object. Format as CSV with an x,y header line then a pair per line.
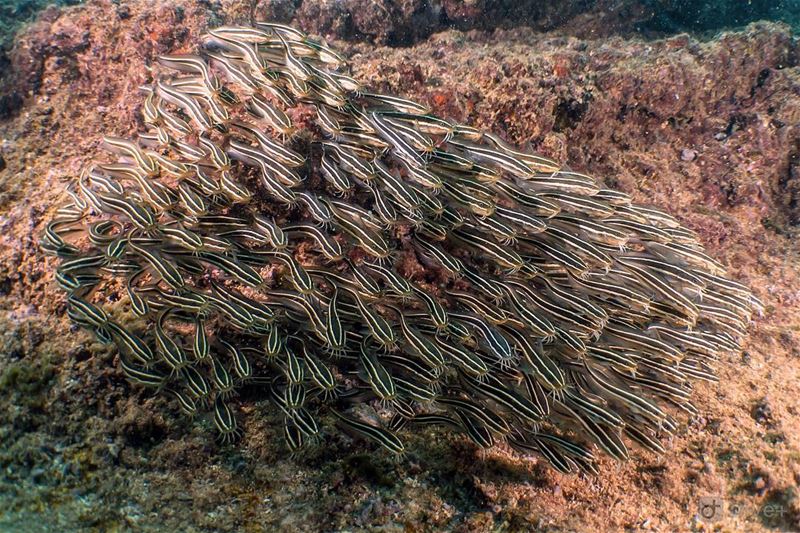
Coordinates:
x,y
27,379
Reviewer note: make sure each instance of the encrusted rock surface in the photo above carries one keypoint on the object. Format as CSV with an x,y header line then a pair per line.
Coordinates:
x,y
705,130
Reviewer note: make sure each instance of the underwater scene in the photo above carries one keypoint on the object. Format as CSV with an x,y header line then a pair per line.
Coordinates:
x,y
413,266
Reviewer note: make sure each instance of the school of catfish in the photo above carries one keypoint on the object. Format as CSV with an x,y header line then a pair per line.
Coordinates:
x,y
228,245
